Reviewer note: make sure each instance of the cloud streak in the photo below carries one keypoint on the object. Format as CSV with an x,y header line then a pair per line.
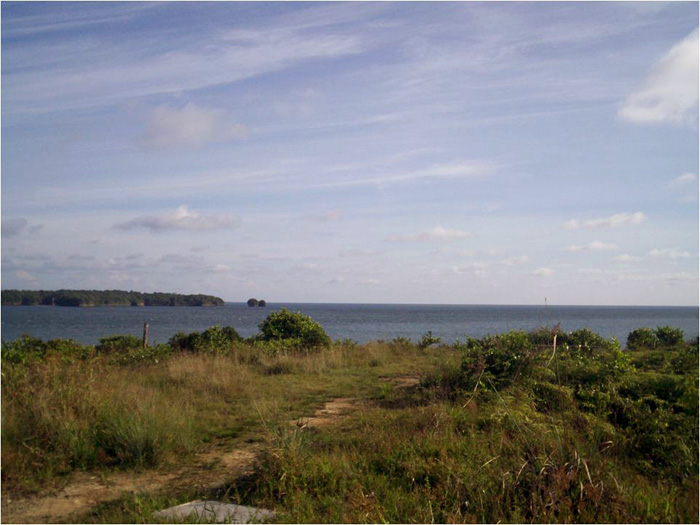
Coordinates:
x,y
595,246
181,219
437,234
619,219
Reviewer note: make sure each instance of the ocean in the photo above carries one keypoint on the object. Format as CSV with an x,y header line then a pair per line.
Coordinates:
x,y
359,322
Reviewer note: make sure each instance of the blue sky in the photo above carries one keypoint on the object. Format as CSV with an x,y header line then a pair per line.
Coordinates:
x,y
467,153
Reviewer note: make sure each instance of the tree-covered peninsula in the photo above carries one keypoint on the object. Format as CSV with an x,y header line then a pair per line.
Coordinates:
x,y
104,298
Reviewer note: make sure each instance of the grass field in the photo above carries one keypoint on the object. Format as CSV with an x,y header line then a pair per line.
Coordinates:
x,y
507,428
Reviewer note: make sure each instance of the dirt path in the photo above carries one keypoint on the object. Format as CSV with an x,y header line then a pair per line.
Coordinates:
x,y
84,491
209,470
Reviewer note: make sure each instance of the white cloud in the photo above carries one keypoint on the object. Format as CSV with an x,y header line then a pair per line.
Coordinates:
x,y
515,260
618,219
180,219
625,257
684,180
437,234
26,277
543,271
191,126
594,246
478,269
670,92
669,253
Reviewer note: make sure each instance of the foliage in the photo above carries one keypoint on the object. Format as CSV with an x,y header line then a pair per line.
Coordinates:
x,y
119,343
428,339
213,340
642,338
669,337
295,328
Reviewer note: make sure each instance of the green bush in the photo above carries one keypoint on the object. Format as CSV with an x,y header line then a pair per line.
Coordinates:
x,y
213,340
642,338
586,341
669,337
23,350
119,343
428,339
293,327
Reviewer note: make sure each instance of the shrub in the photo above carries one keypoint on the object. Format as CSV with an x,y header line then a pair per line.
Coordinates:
x,y
428,339
586,340
119,343
214,340
294,327
401,341
669,337
642,338
23,350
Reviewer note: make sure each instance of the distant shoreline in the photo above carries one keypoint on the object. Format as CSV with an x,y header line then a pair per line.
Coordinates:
x,y
97,298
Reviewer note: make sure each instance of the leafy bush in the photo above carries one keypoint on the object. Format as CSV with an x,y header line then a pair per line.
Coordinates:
x,y
642,338
119,343
295,328
669,337
150,355
586,341
428,339
23,350
401,341
214,340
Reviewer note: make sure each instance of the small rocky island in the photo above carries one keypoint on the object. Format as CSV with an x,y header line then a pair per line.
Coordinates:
x,y
253,302
104,298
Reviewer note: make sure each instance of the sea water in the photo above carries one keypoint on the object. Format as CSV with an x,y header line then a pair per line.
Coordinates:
x,y
359,322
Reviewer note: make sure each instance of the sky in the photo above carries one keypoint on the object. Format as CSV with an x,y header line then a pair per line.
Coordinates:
x,y
436,153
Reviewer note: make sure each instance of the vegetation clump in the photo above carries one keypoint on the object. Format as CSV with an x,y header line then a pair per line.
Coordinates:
x,y
295,329
213,340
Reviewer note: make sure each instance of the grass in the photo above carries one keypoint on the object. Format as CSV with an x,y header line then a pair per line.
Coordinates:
x,y
502,429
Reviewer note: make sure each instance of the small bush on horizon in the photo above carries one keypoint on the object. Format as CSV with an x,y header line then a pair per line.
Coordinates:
x,y
213,340
428,339
642,338
294,327
118,343
669,337
401,341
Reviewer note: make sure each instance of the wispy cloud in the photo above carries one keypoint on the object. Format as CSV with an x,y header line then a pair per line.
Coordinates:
x,y
437,234
625,257
618,219
670,92
453,170
684,180
190,126
595,246
180,219
546,272
669,253
137,68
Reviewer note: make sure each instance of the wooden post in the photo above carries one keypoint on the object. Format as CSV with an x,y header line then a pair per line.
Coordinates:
x,y
145,335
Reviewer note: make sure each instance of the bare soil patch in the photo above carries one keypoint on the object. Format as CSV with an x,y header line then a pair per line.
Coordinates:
x,y
84,491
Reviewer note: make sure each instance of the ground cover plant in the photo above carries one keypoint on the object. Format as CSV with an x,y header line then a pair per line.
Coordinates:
x,y
513,427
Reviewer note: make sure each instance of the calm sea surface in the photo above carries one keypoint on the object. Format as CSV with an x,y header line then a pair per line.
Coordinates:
x,y
360,322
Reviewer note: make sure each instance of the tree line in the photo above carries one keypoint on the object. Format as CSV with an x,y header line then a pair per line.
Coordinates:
x,y
105,298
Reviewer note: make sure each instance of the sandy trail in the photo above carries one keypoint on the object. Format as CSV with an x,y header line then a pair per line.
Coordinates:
x,y
209,470
86,490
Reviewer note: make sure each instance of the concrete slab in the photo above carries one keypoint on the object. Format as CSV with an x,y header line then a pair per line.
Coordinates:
x,y
215,512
